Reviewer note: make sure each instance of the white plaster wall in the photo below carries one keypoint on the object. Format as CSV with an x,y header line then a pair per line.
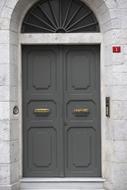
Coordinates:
x,y
112,16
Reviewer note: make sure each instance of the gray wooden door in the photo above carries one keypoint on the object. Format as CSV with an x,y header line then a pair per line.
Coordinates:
x,y
61,111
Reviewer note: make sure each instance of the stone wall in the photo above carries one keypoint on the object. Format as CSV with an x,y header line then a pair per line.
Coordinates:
x,y
112,16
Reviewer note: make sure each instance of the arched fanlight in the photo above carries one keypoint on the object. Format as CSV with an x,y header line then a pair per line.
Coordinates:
x,y
60,16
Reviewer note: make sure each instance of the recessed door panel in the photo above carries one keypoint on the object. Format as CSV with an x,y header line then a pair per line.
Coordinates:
x,y
79,70
81,147
42,110
43,150
61,111
41,74
80,110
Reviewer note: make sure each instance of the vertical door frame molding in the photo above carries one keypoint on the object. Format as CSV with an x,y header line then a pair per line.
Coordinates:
x,y
67,39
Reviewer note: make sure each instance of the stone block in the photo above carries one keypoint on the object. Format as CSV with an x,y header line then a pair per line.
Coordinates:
x,y
116,23
116,174
119,68
120,130
114,79
122,4
107,171
119,175
13,38
111,4
4,174
14,151
119,157
109,130
4,93
113,37
13,53
95,4
14,130
116,152
104,18
4,130
120,146
101,9
4,36
5,187
4,50
5,152
14,168
6,12
106,26
118,57
11,3
119,110
4,111
4,74
15,186
13,93
9,130
117,92
14,75
4,23
2,3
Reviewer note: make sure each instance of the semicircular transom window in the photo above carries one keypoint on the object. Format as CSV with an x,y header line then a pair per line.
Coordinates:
x,y
60,16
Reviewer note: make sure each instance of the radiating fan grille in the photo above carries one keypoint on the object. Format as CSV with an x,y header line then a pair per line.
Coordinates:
x,y
60,16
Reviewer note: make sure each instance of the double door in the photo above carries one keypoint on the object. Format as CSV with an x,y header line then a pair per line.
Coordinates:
x,y
61,111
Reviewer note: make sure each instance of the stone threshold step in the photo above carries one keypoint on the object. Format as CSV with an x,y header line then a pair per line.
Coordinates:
x,y
62,184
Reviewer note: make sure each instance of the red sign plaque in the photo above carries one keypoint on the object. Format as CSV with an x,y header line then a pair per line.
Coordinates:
x,y
116,49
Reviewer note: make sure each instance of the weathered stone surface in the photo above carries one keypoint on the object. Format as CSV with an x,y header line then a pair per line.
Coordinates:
x,y
119,110
120,130
4,130
4,111
4,174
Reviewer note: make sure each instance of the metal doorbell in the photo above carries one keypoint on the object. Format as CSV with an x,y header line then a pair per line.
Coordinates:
x,y
107,106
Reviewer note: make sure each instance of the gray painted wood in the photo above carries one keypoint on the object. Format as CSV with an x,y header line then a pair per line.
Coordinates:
x,y
63,142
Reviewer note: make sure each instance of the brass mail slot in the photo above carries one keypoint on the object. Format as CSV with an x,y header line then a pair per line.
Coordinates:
x,y
81,110
42,110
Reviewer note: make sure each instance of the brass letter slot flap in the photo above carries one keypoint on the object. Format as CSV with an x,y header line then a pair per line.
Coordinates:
x,y
43,111
81,111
